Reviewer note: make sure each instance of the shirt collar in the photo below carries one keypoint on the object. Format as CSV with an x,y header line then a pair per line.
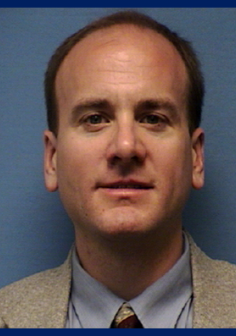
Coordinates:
x,y
94,304
158,306
162,303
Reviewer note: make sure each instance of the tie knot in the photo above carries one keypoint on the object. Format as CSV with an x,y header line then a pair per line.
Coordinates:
x,y
126,318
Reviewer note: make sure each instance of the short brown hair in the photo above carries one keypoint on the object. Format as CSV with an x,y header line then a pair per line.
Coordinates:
x,y
196,83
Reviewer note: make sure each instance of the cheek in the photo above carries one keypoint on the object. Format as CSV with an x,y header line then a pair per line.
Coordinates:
x,y
77,162
69,161
175,159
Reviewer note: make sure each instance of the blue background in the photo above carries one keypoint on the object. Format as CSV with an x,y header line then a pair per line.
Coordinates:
x,y
35,232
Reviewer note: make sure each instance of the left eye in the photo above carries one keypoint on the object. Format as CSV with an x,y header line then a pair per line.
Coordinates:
x,y
152,119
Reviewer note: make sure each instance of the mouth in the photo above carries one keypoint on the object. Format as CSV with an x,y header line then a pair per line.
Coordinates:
x,y
126,190
129,185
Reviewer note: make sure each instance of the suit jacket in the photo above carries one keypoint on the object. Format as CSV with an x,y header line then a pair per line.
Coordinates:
x,y
41,300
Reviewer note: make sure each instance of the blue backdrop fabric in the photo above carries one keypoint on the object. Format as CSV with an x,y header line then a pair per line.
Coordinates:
x,y
35,232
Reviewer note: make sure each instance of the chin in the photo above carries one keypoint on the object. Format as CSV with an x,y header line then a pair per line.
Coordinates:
x,y
126,223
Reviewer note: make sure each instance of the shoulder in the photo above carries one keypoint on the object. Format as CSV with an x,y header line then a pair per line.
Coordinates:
x,y
36,284
223,270
214,290
34,294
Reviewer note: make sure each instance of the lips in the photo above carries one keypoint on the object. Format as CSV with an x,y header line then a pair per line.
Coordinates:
x,y
127,185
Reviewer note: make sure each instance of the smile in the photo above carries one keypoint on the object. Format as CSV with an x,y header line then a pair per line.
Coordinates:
x,y
126,185
129,186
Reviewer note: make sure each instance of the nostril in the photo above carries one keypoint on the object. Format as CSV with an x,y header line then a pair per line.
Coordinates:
x,y
126,146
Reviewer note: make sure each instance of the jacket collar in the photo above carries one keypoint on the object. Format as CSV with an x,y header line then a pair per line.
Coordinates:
x,y
214,294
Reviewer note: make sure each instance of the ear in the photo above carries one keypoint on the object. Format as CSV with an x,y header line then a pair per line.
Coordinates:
x,y
198,158
50,161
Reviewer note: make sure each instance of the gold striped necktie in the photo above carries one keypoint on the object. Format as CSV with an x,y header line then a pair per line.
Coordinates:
x,y
126,318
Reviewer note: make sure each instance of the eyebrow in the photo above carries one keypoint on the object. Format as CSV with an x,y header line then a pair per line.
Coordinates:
x,y
94,104
157,104
97,104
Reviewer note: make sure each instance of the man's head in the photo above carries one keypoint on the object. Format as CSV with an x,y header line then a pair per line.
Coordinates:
x,y
195,84
123,158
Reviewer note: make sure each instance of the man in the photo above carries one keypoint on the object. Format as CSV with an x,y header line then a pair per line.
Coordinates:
x,y
123,149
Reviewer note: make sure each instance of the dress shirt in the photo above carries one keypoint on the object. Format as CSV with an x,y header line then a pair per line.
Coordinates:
x,y
167,303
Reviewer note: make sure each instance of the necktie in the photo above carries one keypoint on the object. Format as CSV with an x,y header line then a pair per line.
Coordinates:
x,y
126,318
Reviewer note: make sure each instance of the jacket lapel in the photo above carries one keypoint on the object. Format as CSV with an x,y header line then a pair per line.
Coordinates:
x,y
214,289
58,296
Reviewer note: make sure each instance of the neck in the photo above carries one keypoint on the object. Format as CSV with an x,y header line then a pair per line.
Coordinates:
x,y
128,265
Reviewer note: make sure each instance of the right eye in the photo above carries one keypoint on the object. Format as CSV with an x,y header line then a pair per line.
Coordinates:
x,y
94,122
95,119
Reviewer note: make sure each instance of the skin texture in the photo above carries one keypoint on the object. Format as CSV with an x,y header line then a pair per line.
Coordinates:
x,y
124,160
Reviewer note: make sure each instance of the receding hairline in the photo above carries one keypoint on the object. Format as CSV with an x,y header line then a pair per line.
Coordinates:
x,y
132,18
126,26
115,27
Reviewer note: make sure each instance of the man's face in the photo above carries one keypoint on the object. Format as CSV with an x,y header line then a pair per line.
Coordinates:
x,y
123,160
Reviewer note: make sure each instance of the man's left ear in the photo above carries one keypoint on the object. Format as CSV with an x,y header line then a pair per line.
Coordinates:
x,y
198,158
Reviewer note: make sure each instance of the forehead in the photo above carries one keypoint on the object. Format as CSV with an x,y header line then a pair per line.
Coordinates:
x,y
138,52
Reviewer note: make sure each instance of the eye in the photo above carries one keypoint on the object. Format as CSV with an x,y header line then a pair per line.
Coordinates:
x,y
153,119
95,119
94,122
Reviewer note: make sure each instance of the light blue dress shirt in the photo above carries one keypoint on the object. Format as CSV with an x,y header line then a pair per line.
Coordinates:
x,y
167,303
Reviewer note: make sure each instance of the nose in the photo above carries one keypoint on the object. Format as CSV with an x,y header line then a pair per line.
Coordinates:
x,y
126,145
